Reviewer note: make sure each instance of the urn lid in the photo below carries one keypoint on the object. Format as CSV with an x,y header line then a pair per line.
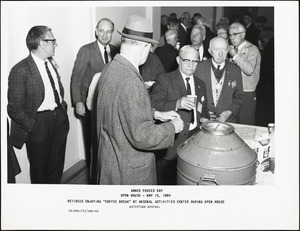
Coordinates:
x,y
217,128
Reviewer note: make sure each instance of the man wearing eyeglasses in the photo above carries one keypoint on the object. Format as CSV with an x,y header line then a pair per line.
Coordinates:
x,y
91,59
248,58
183,92
37,108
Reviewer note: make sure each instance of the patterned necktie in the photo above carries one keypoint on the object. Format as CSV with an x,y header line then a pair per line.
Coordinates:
x,y
189,92
53,85
105,55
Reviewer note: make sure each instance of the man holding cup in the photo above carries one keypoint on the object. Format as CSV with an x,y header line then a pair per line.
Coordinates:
x,y
181,91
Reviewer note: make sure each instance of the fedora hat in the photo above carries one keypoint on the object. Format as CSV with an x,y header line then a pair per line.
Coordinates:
x,y
138,28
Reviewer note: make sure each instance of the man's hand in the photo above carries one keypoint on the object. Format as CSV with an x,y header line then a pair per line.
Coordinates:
x,y
232,51
165,116
80,109
149,84
185,103
224,116
178,124
204,120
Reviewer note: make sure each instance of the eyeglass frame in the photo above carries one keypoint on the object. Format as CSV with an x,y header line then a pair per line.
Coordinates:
x,y
187,61
235,34
50,40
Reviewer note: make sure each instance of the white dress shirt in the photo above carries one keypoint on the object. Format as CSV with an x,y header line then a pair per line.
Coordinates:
x,y
192,84
49,99
101,47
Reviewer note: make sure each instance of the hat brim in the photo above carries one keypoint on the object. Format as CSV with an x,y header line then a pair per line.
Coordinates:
x,y
139,38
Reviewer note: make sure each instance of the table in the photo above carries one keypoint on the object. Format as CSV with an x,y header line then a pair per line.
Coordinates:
x,y
250,134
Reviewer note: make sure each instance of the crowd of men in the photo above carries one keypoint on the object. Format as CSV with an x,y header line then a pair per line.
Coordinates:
x,y
136,105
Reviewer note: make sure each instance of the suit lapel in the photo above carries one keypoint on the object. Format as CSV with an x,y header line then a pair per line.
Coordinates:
x,y
35,73
224,90
179,83
207,74
98,53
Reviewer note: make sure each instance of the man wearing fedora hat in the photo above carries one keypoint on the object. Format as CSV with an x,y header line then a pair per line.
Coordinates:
x,y
126,129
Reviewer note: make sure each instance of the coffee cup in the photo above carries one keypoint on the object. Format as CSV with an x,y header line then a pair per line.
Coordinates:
x,y
194,97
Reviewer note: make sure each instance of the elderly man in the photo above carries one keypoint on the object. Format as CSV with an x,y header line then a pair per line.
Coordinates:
x,y
197,38
223,81
37,109
127,133
183,92
248,58
168,53
90,60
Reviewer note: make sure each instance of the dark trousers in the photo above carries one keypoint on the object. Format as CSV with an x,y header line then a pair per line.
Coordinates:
x,y
46,146
90,148
167,169
248,109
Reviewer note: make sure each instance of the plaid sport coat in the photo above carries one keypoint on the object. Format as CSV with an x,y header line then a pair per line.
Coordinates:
x,y
25,94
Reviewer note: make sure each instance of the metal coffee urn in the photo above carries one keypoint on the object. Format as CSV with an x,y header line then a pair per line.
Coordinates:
x,y
216,155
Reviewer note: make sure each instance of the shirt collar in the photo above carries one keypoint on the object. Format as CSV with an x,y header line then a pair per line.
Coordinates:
x,y
37,59
184,27
216,65
185,76
242,45
102,47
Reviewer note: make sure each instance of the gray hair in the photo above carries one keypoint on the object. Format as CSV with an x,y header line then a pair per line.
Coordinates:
x,y
201,28
238,26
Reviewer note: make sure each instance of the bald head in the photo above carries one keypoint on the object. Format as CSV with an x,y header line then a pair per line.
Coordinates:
x,y
216,41
218,48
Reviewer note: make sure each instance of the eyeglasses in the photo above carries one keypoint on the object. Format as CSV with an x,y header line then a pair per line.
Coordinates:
x,y
235,34
187,61
50,40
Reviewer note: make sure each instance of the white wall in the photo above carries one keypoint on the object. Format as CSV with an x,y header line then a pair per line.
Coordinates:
x,y
73,26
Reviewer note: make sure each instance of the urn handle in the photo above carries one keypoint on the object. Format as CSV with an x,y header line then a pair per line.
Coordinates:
x,y
207,180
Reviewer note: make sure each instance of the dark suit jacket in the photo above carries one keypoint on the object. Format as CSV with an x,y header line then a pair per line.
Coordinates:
x,y
151,68
25,95
167,55
88,62
167,89
182,36
231,97
252,34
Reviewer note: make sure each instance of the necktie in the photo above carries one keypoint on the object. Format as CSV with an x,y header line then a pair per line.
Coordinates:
x,y
53,85
218,72
189,92
105,55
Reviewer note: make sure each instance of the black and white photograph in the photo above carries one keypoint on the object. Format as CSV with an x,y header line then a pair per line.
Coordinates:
x,y
151,115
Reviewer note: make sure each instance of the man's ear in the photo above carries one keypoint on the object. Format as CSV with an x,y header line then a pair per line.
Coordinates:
x,y
209,50
177,59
